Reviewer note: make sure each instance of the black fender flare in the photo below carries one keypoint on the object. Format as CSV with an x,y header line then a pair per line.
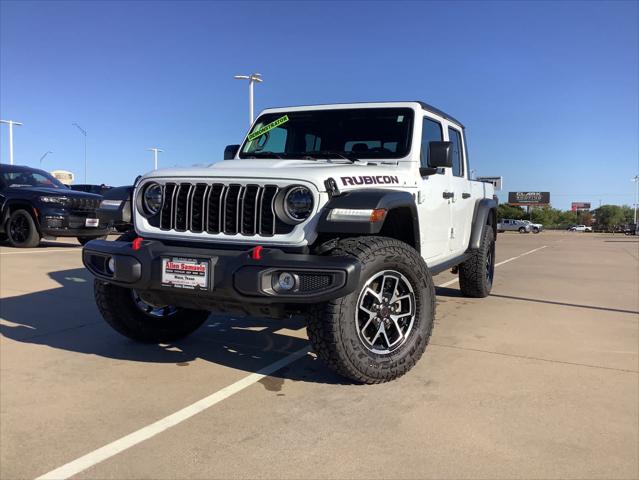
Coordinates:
x,y
373,198
485,210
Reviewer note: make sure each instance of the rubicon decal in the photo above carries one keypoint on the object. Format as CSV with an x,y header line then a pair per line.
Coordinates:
x,y
370,180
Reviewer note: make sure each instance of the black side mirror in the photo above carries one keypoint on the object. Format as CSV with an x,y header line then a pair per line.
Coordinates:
x,y
230,151
440,155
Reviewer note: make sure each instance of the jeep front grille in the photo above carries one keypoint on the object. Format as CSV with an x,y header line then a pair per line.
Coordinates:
x,y
219,208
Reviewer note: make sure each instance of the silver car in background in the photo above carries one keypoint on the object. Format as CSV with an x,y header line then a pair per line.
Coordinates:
x,y
511,225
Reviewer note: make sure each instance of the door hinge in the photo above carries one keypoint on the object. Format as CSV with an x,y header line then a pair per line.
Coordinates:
x,y
452,232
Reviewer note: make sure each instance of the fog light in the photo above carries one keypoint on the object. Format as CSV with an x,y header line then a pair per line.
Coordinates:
x,y
286,281
111,266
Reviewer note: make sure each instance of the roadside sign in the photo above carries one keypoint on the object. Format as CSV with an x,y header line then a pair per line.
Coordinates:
x,y
580,206
496,181
529,198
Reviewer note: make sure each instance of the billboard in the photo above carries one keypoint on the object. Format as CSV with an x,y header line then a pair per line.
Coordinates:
x,y
64,176
496,181
580,206
529,198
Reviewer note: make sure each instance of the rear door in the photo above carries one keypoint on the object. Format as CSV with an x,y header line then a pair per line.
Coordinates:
x,y
462,202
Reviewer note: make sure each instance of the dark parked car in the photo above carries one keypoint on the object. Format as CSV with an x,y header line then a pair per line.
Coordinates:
x,y
34,204
85,187
115,209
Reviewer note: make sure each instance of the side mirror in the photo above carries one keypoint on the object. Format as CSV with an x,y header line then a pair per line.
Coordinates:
x,y
230,151
440,155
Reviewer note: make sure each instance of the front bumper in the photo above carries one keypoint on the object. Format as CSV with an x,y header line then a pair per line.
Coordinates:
x,y
236,277
57,222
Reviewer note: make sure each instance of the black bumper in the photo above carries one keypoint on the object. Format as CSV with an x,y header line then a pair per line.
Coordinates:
x,y
57,222
236,277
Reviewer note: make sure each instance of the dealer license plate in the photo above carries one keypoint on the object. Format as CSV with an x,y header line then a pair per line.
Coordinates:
x,y
92,222
189,273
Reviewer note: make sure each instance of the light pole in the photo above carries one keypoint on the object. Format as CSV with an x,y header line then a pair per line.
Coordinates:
x,y
83,132
42,157
11,123
155,151
252,78
636,180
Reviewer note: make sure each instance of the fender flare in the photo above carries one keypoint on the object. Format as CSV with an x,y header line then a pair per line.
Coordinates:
x,y
368,199
485,210
26,204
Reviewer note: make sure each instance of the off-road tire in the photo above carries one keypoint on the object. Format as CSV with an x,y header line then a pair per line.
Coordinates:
x,y
473,278
85,240
32,238
332,326
119,310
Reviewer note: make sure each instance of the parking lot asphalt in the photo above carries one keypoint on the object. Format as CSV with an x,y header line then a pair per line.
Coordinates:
x,y
539,380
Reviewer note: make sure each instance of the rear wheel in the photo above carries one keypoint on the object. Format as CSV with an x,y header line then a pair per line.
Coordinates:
x,y
522,230
476,274
85,240
380,331
126,311
22,231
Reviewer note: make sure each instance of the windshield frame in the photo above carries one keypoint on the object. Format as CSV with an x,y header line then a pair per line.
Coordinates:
x,y
274,115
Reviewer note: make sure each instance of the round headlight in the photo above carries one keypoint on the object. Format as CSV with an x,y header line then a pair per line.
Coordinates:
x,y
152,198
298,204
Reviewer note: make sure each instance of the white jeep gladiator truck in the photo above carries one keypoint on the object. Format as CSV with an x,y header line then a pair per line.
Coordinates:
x,y
342,213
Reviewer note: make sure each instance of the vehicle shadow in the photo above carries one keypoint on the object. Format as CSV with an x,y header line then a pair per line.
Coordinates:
x,y
66,318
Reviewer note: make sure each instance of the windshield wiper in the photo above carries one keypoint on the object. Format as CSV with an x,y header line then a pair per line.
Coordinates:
x,y
263,154
323,153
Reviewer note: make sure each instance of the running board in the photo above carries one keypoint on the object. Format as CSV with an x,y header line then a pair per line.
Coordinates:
x,y
447,265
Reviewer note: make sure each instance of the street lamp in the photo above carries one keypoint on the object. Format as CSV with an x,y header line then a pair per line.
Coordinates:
x,y
252,78
155,151
636,180
83,132
42,157
11,123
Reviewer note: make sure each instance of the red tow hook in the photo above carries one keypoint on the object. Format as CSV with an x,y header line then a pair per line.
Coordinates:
x,y
137,243
256,253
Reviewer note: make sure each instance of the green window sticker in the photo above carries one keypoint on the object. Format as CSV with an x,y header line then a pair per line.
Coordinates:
x,y
261,131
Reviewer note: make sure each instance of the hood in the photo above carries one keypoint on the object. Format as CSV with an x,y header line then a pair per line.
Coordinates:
x,y
58,192
347,175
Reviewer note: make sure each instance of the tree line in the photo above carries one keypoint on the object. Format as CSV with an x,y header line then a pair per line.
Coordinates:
x,y
606,217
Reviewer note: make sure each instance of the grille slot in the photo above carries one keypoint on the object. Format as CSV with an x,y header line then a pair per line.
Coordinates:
x,y
218,208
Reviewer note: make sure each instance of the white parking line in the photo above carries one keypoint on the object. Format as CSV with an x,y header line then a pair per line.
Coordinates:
x,y
29,252
103,453
113,448
455,280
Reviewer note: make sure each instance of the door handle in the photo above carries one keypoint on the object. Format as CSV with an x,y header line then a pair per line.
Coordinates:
x,y
465,195
448,195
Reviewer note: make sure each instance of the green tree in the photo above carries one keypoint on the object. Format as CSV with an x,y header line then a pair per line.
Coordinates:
x,y
505,210
609,215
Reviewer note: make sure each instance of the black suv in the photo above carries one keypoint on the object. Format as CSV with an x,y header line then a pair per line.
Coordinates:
x,y
34,204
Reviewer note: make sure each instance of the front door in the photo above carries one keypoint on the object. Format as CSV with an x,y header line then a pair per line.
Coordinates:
x,y
434,209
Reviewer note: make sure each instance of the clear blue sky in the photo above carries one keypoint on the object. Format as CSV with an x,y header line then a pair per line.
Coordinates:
x,y
548,90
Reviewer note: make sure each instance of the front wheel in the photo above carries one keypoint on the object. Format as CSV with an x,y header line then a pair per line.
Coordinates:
x,y
522,230
535,230
379,332
22,231
476,274
85,240
130,315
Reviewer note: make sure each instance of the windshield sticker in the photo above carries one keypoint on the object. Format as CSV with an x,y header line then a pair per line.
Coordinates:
x,y
261,131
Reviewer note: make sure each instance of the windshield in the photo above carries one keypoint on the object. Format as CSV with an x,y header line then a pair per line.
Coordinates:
x,y
30,178
360,133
